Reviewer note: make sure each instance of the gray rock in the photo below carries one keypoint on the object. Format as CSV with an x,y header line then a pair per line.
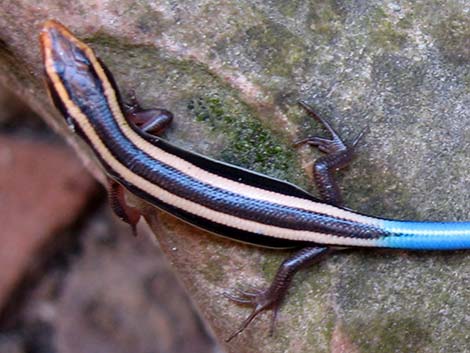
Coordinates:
x,y
232,73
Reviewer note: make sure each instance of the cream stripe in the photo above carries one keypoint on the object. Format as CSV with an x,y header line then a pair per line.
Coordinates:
x,y
215,216
187,205
215,180
191,207
207,177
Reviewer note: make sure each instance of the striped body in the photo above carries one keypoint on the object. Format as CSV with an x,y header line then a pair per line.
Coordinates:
x,y
221,198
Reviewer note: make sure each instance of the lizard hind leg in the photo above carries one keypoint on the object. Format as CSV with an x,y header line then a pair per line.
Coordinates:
x,y
126,213
338,155
273,296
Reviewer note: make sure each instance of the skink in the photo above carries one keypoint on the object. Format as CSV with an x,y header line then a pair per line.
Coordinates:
x,y
218,197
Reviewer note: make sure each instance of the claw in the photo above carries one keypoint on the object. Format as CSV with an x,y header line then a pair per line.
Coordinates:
x,y
323,144
328,146
316,141
359,137
272,297
322,121
252,287
247,294
250,292
235,299
253,293
258,309
241,293
260,301
273,320
244,296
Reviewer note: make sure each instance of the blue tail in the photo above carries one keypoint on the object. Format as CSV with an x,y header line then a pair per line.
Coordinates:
x,y
426,235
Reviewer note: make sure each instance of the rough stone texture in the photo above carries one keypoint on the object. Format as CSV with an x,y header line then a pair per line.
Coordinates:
x,y
35,204
232,73
116,295
111,293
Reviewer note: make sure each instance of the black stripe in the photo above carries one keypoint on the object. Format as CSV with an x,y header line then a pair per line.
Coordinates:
x,y
85,89
58,102
230,171
200,222
219,168
213,227
228,202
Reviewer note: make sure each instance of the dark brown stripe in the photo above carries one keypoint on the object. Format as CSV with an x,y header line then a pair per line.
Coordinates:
x,y
231,203
86,91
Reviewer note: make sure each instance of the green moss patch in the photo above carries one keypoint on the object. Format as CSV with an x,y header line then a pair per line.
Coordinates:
x,y
247,142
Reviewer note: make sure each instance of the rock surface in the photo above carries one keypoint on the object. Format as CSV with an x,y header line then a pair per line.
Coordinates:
x,y
117,295
232,73
47,202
